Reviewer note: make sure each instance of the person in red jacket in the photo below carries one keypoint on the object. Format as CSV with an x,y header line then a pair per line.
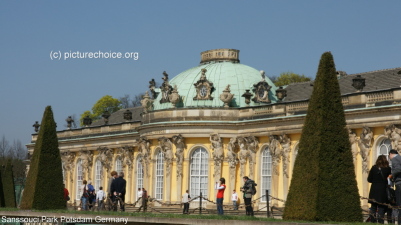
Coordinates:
x,y
220,195
66,195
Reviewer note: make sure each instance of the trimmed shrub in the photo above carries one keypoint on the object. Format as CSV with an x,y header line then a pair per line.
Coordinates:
x,y
8,185
323,185
44,185
2,201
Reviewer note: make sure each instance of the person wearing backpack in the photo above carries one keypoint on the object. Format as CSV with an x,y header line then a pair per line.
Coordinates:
x,y
249,190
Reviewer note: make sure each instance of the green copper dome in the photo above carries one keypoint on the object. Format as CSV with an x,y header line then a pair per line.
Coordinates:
x,y
220,73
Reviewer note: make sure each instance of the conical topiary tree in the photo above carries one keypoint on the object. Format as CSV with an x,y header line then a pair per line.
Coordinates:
x,y
2,201
323,185
8,185
44,185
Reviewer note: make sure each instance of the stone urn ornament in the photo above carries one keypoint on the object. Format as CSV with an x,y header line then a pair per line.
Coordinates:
x,y
174,97
226,96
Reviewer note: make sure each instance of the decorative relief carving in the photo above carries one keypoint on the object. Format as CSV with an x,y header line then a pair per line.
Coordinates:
x,y
364,143
203,87
174,97
146,103
167,147
68,158
165,89
243,154
261,90
179,143
252,145
353,139
144,151
275,152
231,155
105,157
394,134
248,147
218,154
226,96
127,158
86,157
285,142
232,159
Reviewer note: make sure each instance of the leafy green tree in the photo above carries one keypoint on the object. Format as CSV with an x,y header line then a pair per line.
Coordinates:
x,y
44,184
8,185
105,103
323,185
289,78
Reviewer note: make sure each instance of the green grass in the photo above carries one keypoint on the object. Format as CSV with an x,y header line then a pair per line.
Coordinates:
x,y
181,216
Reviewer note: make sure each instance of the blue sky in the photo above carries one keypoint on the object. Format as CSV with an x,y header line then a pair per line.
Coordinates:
x,y
274,36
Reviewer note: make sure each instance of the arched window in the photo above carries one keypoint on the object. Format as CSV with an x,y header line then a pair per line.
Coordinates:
x,y
79,180
199,171
139,174
384,147
159,175
266,174
98,174
118,165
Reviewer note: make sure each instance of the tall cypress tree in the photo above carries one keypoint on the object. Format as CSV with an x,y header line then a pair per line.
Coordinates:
x,y
8,185
2,201
44,185
323,185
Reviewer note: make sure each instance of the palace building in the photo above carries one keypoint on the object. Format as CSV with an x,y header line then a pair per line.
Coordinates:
x,y
224,119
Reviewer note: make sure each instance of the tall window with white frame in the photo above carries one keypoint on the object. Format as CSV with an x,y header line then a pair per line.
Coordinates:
x,y
79,180
118,165
159,175
266,173
98,174
199,170
139,174
384,147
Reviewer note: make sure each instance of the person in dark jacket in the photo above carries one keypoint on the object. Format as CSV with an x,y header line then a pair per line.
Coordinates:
x,y
118,186
378,175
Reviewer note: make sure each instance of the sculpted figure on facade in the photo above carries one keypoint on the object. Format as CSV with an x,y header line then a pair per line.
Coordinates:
x,y
127,158
275,152
105,157
231,155
218,154
364,146
144,150
167,147
394,134
243,154
353,139
252,145
68,158
179,143
165,89
87,160
147,103
285,142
